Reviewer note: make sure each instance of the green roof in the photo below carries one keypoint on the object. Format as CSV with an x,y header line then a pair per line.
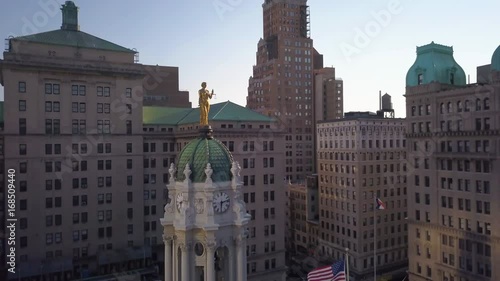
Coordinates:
x,y
197,153
495,60
73,38
435,63
225,111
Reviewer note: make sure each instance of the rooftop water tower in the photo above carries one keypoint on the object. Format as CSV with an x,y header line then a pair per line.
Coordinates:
x,y
386,105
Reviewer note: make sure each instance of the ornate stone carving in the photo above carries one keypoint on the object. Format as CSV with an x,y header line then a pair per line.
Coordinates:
x,y
185,246
187,172
208,173
239,205
169,207
211,245
223,243
172,171
200,206
210,207
239,240
167,238
235,171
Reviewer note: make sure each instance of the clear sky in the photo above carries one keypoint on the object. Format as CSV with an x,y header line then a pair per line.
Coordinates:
x,y
216,40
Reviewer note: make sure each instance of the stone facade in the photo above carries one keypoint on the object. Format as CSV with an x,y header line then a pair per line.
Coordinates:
x,y
362,158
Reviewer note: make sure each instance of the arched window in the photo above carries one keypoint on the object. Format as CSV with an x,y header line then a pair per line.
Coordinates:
x,y
467,106
486,103
450,107
420,78
459,106
478,104
442,108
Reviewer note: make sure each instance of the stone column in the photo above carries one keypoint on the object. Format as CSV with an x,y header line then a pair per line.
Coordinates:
x,y
168,257
211,247
241,259
185,268
231,260
175,263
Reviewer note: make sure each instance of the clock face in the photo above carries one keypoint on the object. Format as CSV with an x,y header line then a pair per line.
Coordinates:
x,y
179,201
221,202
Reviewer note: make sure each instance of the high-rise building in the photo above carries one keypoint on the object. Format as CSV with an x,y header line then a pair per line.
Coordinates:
x,y
453,152
329,95
282,82
73,125
161,87
361,158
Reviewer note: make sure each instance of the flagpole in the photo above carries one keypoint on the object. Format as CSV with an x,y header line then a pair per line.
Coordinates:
x,y
347,263
375,242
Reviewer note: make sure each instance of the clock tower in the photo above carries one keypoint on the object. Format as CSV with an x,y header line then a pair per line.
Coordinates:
x,y
204,226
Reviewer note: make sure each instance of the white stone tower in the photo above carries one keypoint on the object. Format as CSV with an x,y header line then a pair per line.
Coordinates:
x,y
205,219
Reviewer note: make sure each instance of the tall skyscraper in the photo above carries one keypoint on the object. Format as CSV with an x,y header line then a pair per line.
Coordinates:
x,y
282,81
361,158
453,172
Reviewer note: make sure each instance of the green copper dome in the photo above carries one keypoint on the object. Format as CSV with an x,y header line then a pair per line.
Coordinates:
x,y
435,63
201,151
495,60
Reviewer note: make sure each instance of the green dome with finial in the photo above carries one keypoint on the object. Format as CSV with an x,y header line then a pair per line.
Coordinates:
x,y
435,63
197,153
495,60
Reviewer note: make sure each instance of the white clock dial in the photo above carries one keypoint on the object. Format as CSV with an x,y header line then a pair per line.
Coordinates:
x,y
221,202
179,201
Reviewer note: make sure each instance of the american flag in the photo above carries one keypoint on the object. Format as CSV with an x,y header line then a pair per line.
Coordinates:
x,y
380,204
335,272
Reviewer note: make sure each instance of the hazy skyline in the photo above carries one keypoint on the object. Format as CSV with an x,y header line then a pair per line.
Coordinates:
x,y
216,40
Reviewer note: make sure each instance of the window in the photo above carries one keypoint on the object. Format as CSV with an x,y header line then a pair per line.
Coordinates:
x,y
22,87
129,127
22,126
478,104
48,89
22,149
420,79
82,90
56,89
22,105
486,104
23,167
128,92
48,106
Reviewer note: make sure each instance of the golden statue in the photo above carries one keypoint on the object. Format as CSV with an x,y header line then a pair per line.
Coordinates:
x,y
204,103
